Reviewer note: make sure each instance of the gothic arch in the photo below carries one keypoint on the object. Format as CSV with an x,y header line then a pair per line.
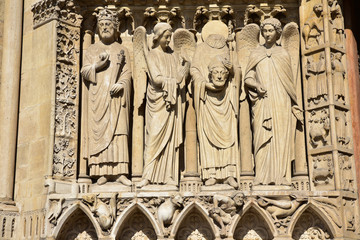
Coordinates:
x,y
144,223
311,218
76,220
253,221
194,216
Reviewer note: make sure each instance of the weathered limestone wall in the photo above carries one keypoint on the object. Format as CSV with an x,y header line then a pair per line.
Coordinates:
x,y
34,133
1,31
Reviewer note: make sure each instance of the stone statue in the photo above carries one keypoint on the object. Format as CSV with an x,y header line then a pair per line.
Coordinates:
x,y
337,22
311,75
104,213
216,100
269,80
164,112
225,207
314,27
338,77
169,209
281,208
107,72
322,79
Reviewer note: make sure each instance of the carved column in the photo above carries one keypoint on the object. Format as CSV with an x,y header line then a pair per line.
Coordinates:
x,y
9,95
330,150
87,41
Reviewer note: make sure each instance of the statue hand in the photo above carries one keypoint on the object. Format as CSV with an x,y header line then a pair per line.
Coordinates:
x,y
261,91
116,88
211,87
104,58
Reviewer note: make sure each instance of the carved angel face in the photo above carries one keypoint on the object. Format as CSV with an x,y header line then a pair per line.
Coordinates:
x,y
164,40
219,76
106,30
270,34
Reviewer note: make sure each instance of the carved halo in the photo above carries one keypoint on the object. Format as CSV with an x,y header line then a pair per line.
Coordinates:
x,y
214,27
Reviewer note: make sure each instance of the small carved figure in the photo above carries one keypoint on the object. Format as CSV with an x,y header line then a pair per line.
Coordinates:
x,y
347,175
336,19
350,215
281,208
216,97
55,210
107,74
164,112
324,174
338,77
104,213
314,27
319,127
270,84
225,208
322,91
311,75
341,131
201,17
176,19
169,209
253,14
150,19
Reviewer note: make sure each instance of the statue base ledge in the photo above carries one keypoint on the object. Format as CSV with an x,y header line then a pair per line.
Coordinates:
x,y
272,188
158,188
217,188
109,187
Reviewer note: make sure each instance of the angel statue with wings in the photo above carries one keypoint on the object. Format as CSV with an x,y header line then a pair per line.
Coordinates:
x,y
270,83
164,72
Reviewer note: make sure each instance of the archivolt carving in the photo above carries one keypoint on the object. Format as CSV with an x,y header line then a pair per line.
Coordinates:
x,y
310,226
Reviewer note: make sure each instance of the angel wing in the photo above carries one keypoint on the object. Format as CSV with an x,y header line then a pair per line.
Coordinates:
x,y
140,68
246,40
184,43
290,40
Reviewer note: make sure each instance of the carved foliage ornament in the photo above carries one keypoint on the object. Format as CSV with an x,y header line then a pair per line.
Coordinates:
x,y
47,10
64,157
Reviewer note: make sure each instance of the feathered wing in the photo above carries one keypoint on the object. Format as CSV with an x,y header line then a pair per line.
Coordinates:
x,y
290,40
184,43
140,68
246,40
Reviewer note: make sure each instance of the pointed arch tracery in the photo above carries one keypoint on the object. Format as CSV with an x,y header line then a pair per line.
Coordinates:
x,y
193,223
136,222
76,224
311,223
252,224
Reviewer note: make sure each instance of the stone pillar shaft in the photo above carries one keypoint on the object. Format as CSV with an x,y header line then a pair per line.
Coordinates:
x,y
9,94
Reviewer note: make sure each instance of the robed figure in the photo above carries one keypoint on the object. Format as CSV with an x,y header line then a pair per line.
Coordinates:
x,y
270,84
216,97
107,72
164,111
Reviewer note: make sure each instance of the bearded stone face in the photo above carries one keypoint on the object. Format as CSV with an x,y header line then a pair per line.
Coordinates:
x,y
106,30
219,76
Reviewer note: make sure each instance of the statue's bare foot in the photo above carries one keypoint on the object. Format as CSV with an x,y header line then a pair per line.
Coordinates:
x,y
123,180
101,180
231,181
142,183
210,182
